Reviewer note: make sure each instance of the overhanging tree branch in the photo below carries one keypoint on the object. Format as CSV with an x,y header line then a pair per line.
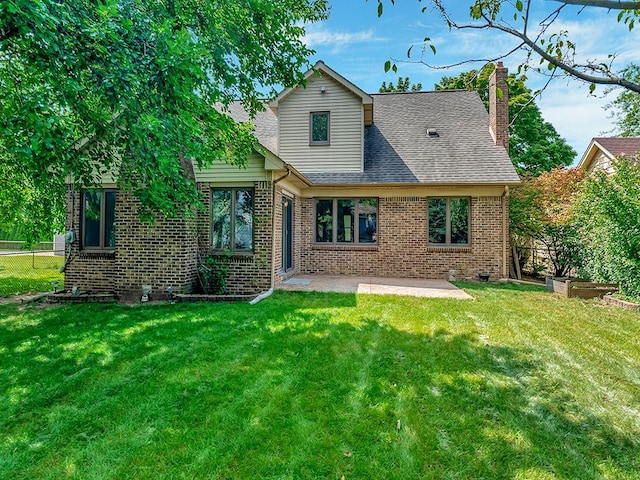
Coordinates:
x,y
554,54
609,79
610,4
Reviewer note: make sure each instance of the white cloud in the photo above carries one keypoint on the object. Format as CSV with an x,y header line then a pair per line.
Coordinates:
x,y
576,115
317,35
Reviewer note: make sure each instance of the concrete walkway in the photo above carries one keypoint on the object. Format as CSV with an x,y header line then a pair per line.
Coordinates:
x,y
374,285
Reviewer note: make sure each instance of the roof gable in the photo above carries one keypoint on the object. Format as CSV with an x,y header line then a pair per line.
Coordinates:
x,y
612,147
323,69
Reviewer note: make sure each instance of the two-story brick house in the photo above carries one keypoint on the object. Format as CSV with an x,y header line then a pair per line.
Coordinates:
x,y
344,182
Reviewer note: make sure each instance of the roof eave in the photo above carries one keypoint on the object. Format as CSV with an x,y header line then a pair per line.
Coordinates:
x,y
421,184
590,154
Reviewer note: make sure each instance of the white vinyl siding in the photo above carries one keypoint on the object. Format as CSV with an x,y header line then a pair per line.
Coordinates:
x,y
601,163
223,172
344,154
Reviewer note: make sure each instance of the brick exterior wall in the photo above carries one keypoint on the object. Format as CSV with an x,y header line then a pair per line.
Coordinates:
x,y
248,273
166,253
161,255
279,274
90,271
402,249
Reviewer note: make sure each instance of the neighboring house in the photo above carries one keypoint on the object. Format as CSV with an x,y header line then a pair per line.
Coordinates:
x,y
603,150
344,182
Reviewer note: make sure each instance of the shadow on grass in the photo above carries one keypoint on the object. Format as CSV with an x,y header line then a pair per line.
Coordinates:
x,y
303,386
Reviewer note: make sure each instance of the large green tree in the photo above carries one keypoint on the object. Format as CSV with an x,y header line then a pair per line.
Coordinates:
x,y
549,48
625,108
608,212
534,144
129,87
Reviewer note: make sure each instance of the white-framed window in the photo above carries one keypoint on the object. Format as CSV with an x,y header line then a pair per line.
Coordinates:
x,y
98,215
449,221
232,219
346,221
319,128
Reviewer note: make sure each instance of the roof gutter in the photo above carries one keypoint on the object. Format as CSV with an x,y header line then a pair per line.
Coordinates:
x,y
416,184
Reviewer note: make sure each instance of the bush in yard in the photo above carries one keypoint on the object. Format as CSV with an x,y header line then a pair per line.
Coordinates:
x,y
212,273
541,213
608,209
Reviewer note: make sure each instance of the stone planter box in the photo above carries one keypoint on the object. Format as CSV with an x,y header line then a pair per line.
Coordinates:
x,y
578,288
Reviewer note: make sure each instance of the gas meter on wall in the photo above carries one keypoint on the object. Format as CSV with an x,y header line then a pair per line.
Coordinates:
x,y
70,236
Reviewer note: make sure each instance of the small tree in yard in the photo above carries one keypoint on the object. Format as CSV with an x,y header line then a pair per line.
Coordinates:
x,y
541,213
608,211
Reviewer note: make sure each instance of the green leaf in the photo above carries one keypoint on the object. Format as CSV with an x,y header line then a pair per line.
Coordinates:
x,y
519,5
592,88
387,66
394,68
379,8
433,48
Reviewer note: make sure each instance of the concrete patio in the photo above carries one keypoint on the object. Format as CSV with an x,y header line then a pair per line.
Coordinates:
x,y
375,285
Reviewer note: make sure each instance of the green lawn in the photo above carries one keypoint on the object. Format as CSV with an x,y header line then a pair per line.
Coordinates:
x,y
517,384
21,274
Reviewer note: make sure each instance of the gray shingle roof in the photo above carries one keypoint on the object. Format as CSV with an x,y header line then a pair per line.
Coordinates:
x,y
397,149
266,125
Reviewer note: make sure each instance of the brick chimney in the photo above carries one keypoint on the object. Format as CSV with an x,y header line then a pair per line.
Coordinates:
x,y
499,106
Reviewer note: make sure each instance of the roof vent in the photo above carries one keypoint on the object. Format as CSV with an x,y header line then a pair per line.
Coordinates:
x,y
432,133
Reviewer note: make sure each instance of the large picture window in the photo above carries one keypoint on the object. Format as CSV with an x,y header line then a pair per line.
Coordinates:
x,y
350,220
98,219
319,127
448,221
232,219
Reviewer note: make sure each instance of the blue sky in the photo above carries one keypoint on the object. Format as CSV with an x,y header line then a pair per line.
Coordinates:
x,y
356,43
